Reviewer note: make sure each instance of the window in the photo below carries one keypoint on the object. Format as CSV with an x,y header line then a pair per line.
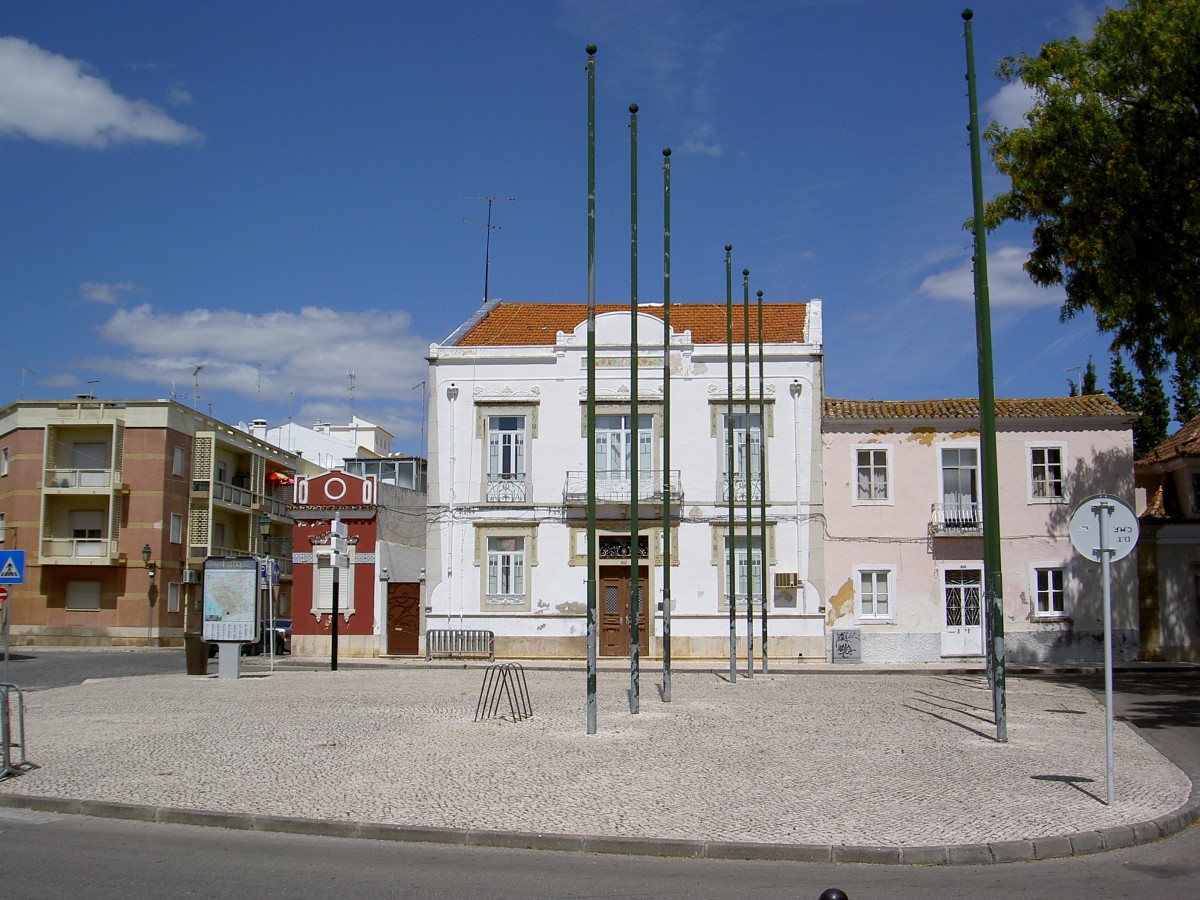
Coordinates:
x,y
871,475
222,473
1046,474
1050,598
960,488
744,465
747,564
874,587
4,461
87,532
323,583
173,597
506,459
506,570
176,528
3,528
83,595
177,462
614,455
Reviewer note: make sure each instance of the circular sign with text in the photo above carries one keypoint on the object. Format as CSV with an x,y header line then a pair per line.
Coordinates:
x,y
1120,527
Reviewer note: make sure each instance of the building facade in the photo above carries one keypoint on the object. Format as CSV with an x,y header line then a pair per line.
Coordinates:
x,y
1168,552
379,602
904,550
118,503
508,485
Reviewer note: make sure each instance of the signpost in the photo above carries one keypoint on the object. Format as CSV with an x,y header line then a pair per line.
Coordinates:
x,y
12,571
1105,528
231,611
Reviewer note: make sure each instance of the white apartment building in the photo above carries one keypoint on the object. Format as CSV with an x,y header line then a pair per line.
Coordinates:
x,y
507,542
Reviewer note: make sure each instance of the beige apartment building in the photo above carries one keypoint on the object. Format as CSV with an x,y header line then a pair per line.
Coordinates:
x,y
117,503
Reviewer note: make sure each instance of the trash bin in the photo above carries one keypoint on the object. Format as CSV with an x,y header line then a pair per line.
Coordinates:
x,y
197,653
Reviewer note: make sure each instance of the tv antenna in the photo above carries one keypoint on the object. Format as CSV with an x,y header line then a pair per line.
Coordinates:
x,y
196,387
350,376
25,370
487,249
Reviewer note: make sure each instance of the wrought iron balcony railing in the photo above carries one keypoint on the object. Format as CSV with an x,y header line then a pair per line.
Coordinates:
x,y
506,488
617,487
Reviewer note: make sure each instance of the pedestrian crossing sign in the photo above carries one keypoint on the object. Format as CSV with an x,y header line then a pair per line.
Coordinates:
x,y
12,566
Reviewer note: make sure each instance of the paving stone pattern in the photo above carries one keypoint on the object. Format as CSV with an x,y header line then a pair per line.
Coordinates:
x,y
865,759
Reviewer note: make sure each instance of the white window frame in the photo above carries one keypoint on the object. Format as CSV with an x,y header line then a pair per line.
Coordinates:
x,y
740,562
861,597
177,461
506,567
173,597
322,596
3,527
514,470
1036,592
888,498
83,596
3,461
977,493
1031,465
176,528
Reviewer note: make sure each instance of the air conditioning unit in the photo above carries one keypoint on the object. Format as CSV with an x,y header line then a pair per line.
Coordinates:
x,y
189,576
786,580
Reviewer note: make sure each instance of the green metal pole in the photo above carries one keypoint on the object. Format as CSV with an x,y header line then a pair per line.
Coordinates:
x,y
635,492
592,614
762,480
747,477
729,558
992,578
666,475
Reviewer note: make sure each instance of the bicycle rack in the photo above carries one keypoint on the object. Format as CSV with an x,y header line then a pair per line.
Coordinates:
x,y
7,767
504,680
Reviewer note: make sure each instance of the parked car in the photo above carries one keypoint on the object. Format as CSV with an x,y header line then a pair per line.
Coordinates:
x,y
283,640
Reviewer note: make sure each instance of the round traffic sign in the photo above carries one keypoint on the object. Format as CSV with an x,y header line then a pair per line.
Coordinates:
x,y
1120,527
3,594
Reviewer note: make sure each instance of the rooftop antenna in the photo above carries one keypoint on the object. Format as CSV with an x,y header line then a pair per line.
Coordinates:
x,y
258,394
92,388
422,386
196,387
25,370
487,250
350,377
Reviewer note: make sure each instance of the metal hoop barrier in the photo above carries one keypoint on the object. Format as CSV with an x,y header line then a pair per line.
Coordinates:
x,y
504,681
7,740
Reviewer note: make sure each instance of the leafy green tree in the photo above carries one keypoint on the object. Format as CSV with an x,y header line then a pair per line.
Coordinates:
x,y
1107,169
1143,396
1187,395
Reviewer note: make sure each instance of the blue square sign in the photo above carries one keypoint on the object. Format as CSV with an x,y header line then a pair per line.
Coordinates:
x,y
12,566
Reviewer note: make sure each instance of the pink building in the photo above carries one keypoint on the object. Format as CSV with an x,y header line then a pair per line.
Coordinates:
x,y
904,544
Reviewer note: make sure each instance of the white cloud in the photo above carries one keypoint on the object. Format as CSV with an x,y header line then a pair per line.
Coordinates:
x,y
106,293
1009,285
178,95
47,97
306,353
1010,104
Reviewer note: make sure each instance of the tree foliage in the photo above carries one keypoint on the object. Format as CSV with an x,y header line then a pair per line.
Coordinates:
x,y
1107,169
1145,397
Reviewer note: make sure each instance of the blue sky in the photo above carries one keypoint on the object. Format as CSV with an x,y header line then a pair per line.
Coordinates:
x,y
273,190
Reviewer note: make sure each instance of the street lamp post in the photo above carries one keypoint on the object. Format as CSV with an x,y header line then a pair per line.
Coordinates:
x,y
151,571
264,531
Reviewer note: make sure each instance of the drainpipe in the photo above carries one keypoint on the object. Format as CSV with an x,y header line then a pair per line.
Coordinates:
x,y
796,389
452,396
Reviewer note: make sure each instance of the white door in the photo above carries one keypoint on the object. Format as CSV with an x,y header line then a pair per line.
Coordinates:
x,y
962,592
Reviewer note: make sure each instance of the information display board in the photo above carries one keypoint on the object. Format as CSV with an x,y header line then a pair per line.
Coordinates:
x,y
231,599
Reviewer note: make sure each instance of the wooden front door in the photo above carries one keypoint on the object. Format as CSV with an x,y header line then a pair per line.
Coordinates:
x,y
616,610
403,618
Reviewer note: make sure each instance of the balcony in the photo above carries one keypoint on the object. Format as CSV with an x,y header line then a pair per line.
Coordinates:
x,y
84,481
739,488
226,494
78,551
506,488
617,487
961,519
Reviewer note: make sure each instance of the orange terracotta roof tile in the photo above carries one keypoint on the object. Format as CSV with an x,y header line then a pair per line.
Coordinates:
x,y
1184,442
968,408
509,324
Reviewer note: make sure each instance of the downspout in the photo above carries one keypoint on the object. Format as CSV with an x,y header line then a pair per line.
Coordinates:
x,y
452,396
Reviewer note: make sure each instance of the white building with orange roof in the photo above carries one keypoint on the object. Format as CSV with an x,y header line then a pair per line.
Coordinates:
x,y
904,546
507,550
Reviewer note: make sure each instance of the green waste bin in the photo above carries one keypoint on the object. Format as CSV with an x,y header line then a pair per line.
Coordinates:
x,y
197,653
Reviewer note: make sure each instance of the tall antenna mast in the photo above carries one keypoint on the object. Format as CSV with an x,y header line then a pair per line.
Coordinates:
x,y
196,387
25,370
487,249
350,377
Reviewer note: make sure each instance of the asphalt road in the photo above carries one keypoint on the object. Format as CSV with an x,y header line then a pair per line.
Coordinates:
x,y
38,668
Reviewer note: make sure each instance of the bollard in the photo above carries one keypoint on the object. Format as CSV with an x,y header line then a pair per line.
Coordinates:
x,y
833,894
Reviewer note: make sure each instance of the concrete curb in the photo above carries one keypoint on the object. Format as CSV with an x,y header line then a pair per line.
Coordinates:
x,y
1055,847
